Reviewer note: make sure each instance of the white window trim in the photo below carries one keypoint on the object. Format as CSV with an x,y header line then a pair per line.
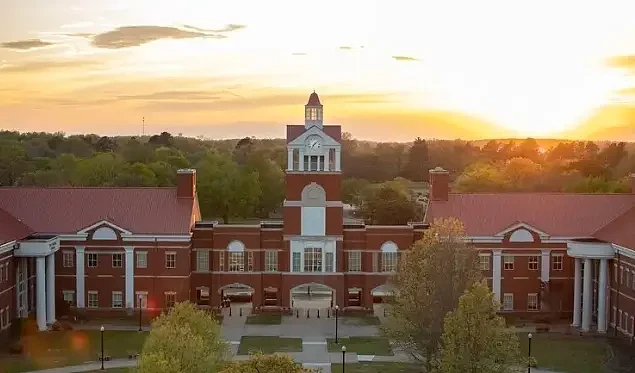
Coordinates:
x,y
487,263
88,255
560,261
112,260
91,292
202,260
271,256
167,254
537,303
507,295
358,261
537,262
113,299
66,292
141,254
68,256
144,296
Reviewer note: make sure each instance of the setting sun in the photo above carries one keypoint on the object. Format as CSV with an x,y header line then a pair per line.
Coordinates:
x,y
532,69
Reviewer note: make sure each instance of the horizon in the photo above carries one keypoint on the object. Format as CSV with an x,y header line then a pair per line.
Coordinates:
x,y
241,70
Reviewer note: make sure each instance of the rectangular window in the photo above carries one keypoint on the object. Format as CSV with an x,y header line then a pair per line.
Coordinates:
x,y
142,259
375,262
615,273
508,302
1,319
354,261
117,299
532,302
68,259
117,260
312,259
170,299
93,299
170,260
619,322
237,261
508,263
388,262
328,258
556,262
614,318
202,260
141,299
484,262
250,261
621,275
69,296
92,260
296,262
1,273
221,261
271,261
533,263
6,272
314,163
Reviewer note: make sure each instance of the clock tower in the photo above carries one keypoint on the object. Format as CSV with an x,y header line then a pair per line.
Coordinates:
x,y
313,214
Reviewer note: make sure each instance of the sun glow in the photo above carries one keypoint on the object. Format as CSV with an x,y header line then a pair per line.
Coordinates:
x,y
534,69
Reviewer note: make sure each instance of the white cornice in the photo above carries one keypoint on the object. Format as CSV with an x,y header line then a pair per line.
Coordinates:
x,y
526,226
7,247
299,142
160,237
104,222
624,251
287,203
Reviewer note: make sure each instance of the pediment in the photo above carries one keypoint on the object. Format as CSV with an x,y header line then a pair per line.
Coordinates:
x,y
104,230
521,232
299,142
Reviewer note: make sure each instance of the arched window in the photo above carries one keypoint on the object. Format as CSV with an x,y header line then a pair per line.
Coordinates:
x,y
236,256
389,252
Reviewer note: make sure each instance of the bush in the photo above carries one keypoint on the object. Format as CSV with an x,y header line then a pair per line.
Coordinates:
x,y
532,362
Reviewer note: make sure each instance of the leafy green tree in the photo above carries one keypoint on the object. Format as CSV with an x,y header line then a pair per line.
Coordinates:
x,y
417,167
270,182
99,170
352,188
475,339
389,203
135,175
480,177
225,188
521,174
428,283
184,339
13,162
260,363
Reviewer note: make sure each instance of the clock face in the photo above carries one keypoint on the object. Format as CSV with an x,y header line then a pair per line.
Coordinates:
x,y
314,143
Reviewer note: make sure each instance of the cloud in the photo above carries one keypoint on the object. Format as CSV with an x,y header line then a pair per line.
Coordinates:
x,y
78,24
346,47
133,36
26,44
228,28
298,54
180,95
37,66
404,58
626,62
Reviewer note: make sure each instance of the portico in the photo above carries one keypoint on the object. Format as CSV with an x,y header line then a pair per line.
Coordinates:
x,y
585,254
43,249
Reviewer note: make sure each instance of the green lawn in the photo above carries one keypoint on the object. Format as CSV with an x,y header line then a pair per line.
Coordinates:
x,y
361,345
567,354
115,370
361,320
264,319
55,349
383,367
268,345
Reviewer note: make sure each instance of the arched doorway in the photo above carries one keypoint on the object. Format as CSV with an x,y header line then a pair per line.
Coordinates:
x,y
311,297
381,296
240,296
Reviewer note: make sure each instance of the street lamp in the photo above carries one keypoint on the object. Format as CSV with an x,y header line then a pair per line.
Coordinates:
x,y
529,355
140,310
336,313
102,346
343,358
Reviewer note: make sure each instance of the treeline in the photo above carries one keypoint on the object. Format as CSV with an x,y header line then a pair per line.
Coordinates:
x,y
245,178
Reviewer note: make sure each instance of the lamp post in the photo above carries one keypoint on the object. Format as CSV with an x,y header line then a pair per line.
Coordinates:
x,y
140,311
102,347
343,359
529,355
336,313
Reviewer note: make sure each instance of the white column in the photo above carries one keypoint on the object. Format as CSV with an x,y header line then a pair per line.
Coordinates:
x,y
587,296
602,281
544,265
40,307
129,277
50,288
25,298
80,291
301,159
337,159
577,292
497,274
318,163
290,159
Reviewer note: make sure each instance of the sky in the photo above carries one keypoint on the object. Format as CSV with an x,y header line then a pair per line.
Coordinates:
x,y
384,70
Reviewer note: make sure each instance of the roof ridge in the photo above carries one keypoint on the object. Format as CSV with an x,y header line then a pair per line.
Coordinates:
x,y
613,220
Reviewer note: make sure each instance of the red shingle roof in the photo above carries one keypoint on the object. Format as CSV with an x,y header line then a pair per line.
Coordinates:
x,y
69,210
294,130
314,100
12,229
557,214
620,231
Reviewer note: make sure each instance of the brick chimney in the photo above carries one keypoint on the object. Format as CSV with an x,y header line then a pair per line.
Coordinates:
x,y
186,183
439,184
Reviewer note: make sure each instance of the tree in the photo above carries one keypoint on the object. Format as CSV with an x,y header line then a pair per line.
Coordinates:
x,y
164,139
475,338
225,188
418,166
270,182
260,363
183,340
521,174
352,188
428,283
388,203
480,177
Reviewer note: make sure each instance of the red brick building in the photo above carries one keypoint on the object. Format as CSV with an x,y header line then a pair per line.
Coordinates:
x,y
109,250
